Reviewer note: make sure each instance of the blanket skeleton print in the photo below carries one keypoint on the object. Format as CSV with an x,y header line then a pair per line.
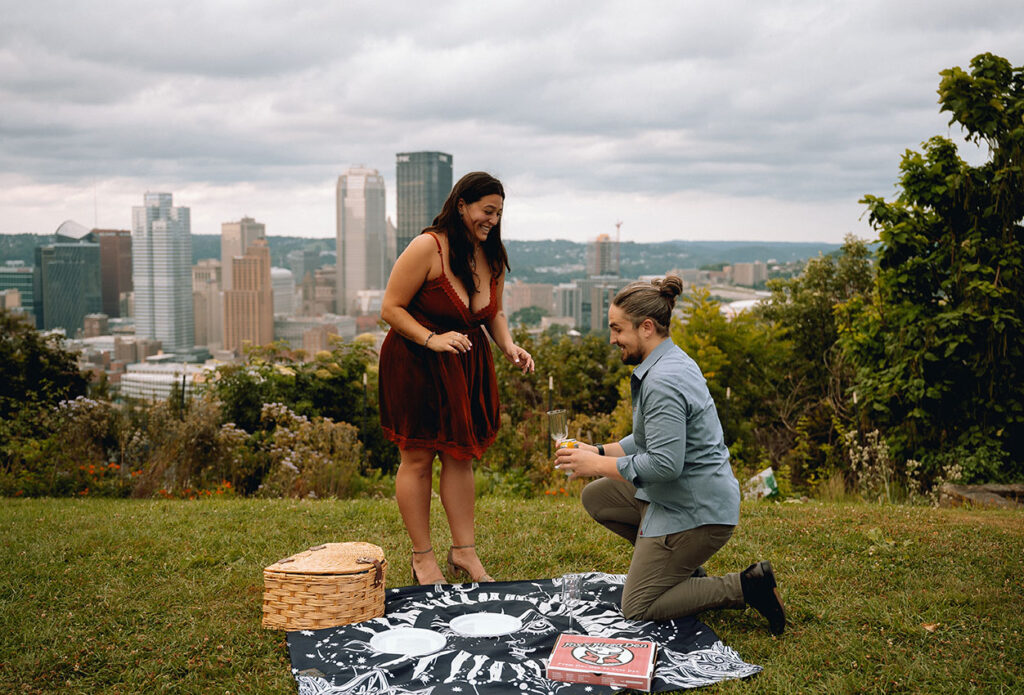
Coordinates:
x,y
340,661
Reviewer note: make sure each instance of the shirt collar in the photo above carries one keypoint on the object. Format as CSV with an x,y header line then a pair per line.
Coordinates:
x,y
655,355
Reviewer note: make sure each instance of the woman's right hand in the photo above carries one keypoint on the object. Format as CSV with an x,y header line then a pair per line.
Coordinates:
x,y
452,341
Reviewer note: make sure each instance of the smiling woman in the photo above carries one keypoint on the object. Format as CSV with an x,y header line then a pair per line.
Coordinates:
x,y
438,391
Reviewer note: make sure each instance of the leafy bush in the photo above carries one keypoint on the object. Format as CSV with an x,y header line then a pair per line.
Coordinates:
x,y
309,457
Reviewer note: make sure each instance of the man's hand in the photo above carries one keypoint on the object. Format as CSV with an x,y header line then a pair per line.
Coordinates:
x,y
582,461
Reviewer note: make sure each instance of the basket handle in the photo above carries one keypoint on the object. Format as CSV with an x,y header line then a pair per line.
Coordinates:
x,y
378,568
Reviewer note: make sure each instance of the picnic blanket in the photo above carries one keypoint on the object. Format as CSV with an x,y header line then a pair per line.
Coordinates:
x,y
340,661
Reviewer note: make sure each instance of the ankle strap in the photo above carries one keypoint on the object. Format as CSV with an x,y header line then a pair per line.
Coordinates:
x,y
420,552
460,547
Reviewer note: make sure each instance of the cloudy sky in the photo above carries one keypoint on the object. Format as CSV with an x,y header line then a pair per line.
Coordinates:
x,y
687,119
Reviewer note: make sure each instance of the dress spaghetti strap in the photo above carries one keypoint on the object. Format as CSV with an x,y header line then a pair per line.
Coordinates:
x,y
441,255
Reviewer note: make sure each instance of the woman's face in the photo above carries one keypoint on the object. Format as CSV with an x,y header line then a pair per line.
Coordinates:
x,y
483,215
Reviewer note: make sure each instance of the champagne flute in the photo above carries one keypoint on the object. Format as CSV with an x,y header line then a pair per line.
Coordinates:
x,y
558,425
572,589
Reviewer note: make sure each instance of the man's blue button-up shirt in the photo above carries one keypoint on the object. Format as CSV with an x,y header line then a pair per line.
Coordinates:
x,y
676,456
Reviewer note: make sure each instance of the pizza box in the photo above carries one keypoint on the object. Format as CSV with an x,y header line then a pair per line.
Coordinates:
x,y
622,663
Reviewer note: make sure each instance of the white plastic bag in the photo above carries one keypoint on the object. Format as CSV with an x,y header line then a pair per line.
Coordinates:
x,y
762,485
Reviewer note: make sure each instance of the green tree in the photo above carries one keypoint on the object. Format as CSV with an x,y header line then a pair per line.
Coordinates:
x,y
36,375
938,345
818,378
745,361
34,370
527,316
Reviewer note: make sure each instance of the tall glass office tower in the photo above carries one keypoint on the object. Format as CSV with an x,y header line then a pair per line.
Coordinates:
x,y
362,227
424,180
162,272
67,285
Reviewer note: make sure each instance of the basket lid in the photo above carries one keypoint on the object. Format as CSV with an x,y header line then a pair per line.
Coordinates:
x,y
332,558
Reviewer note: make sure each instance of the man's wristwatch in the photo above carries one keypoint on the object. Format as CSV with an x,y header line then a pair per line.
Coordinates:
x,y
600,449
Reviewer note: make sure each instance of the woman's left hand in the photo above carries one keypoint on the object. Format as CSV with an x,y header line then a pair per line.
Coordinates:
x,y
521,358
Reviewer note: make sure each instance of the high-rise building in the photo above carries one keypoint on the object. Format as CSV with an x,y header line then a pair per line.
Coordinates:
x,y
424,180
115,266
362,231
235,240
15,275
67,285
208,303
162,272
283,283
390,249
520,295
595,296
603,257
302,261
249,305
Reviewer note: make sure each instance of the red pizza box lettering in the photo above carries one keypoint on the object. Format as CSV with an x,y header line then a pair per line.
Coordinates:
x,y
622,663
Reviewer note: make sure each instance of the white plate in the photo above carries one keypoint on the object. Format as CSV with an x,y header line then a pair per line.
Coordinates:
x,y
486,624
409,641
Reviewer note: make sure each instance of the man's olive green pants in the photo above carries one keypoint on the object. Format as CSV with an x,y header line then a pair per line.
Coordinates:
x,y
660,585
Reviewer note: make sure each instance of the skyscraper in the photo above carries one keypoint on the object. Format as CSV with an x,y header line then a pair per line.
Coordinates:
x,y
162,272
235,240
115,266
362,233
15,275
67,285
603,257
208,303
424,180
249,305
283,283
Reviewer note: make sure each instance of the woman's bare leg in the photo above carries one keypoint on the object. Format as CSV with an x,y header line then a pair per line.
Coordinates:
x,y
458,495
412,490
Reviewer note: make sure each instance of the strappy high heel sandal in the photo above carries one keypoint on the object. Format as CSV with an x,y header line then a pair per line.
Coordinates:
x,y
456,570
412,564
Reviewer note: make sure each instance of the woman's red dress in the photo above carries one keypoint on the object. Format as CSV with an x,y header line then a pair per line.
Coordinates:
x,y
443,401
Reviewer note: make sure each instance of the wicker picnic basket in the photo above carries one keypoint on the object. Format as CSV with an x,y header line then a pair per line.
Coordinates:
x,y
327,585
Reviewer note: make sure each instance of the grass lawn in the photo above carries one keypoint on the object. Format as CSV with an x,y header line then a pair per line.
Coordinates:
x,y
130,596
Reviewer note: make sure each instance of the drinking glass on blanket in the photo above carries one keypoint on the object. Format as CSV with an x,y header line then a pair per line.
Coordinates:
x,y
572,589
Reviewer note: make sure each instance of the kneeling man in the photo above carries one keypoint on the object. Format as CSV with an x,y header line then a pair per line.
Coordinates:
x,y
668,488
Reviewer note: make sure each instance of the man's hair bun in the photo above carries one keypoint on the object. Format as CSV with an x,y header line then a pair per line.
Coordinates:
x,y
671,287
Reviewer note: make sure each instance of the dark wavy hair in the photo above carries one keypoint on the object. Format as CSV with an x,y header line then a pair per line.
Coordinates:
x,y
469,189
650,300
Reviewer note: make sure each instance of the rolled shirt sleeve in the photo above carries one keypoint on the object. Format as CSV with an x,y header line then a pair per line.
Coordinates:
x,y
628,445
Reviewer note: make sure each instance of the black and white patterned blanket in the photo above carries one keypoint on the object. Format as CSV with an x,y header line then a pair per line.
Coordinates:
x,y
340,661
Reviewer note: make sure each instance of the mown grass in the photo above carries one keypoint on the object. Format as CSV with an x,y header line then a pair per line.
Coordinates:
x,y
129,596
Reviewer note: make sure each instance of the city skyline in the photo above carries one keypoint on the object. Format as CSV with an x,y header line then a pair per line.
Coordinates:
x,y
735,120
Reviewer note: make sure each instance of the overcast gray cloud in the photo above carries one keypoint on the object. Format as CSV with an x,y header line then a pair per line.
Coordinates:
x,y
732,120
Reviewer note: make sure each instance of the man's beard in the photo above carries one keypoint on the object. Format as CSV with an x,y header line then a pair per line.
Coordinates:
x,y
631,358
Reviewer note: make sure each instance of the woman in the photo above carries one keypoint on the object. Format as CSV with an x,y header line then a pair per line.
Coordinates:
x,y
438,391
